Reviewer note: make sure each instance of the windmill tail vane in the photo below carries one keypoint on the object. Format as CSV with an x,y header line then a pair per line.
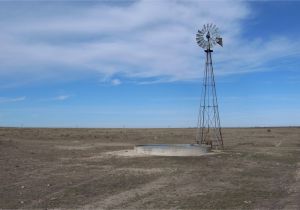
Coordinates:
x,y
219,41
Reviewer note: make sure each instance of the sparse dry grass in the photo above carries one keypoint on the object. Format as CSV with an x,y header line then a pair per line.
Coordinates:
x,y
68,168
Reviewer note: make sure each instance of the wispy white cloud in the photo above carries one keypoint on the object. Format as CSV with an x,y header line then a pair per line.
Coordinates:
x,y
57,98
60,98
9,100
116,82
142,39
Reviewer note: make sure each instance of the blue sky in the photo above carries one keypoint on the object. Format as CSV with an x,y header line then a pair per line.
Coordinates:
x,y
136,63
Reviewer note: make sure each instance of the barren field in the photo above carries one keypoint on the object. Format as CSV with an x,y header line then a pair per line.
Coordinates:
x,y
80,168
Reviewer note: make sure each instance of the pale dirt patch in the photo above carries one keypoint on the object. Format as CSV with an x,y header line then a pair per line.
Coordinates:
x,y
126,153
143,170
79,147
118,153
90,146
277,144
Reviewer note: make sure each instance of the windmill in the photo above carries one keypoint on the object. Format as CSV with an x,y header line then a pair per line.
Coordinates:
x,y
209,128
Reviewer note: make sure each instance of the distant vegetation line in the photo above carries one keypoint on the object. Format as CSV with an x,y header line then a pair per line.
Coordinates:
x,y
225,127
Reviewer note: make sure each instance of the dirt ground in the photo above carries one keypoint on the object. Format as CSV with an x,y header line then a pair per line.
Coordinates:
x,y
79,168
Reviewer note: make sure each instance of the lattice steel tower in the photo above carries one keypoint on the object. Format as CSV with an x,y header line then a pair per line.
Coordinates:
x,y
209,128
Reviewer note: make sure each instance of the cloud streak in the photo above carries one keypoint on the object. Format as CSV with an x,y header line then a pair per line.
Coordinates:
x,y
57,98
142,40
11,100
116,82
61,98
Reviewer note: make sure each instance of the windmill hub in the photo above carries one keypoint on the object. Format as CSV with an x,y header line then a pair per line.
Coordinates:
x,y
208,35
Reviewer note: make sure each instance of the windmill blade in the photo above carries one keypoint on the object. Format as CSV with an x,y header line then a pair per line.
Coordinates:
x,y
200,42
214,27
217,31
205,43
199,35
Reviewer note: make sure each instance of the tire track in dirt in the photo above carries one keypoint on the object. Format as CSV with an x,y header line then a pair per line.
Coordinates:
x,y
116,201
104,173
57,194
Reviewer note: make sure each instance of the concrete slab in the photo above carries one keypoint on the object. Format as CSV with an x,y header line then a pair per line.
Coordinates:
x,y
172,149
